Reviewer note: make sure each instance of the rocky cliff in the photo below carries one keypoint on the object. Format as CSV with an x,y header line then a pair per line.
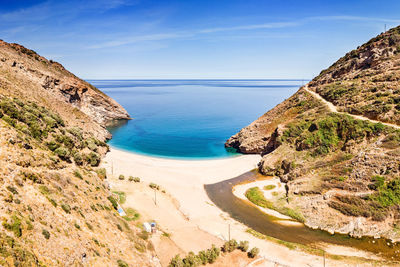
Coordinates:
x,y
56,208
340,164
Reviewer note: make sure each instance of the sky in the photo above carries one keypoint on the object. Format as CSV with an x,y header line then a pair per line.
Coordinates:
x,y
188,39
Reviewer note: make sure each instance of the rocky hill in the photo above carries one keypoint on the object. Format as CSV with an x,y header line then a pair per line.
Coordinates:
x,y
56,209
341,166
28,76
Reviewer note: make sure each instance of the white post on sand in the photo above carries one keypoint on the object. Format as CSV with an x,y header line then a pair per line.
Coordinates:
x,y
155,196
229,232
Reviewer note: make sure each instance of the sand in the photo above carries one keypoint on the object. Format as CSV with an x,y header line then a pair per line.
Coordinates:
x,y
185,211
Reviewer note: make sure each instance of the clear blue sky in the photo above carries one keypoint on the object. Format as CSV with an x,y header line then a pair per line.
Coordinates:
x,y
195,39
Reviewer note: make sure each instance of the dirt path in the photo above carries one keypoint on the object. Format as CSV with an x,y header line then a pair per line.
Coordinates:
x,y
333,108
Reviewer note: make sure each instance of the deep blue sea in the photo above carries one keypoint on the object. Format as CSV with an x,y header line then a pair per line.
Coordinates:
x,y
189,119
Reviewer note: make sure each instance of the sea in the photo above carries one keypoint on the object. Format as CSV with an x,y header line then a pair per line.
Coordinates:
x,y
189,119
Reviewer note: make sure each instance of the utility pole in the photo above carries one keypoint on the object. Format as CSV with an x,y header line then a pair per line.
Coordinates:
x,y
229,232
324,257
112,169
155,196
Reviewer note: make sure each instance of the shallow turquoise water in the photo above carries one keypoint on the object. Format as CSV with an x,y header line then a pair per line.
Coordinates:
x,y
189,118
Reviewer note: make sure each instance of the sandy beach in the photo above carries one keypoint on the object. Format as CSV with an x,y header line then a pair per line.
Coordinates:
x,y
186,212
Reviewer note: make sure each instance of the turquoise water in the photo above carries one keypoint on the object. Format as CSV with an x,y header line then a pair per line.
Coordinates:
x,y
189,119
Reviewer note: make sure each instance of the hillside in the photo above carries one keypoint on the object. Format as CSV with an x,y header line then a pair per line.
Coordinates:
x,y
340,164
56,207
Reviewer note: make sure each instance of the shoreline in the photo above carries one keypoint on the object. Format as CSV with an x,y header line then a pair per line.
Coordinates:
x,y
186,205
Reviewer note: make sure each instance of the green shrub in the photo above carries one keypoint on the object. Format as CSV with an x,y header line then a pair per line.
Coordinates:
x,y
89,226
230,245
62,153
102,173
253,252
212,254
122,263
269,187
52,145
52,201
46,234
14,226
93,159
176,262
191,260
66,208
243,246
78,174
113,201
136,180
44,190
12,189
121,177
154,186
78,159
77,226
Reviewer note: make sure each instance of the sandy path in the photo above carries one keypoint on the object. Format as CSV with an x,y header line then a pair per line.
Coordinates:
x,y
202,223
333,108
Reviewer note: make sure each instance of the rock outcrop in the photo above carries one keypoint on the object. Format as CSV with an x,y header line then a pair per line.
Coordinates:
x,y
341,173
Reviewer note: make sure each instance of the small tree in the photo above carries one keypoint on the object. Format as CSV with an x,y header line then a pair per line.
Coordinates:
x,y
203,256
176,262
191,260
230,246
243,246
253,252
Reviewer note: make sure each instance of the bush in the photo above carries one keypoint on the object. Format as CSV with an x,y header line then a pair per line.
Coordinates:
x,y
62,153
269,187
121,177
52,145
12,189
66,208
253,252
134,179
113,201
213,254
102,173
93,159
46,234
14,226
154,186
176,262
78,159
230,245
191,260
121,263
78,174
243,246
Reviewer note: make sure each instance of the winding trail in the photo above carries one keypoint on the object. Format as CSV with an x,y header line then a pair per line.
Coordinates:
x,y
333,108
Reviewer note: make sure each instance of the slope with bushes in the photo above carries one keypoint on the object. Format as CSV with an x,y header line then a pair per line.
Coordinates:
x,y
56,208
340,172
